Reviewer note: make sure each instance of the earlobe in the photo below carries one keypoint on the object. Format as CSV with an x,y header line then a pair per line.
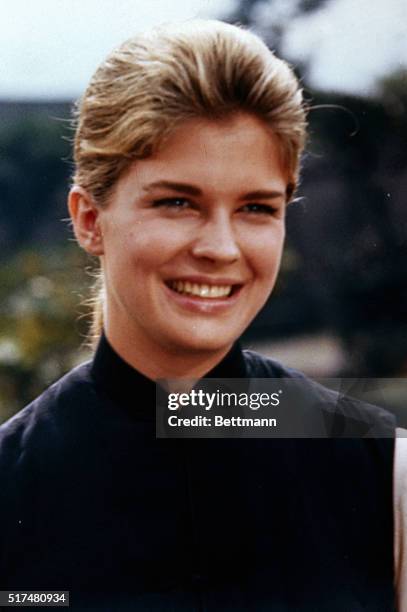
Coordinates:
x,y
85,215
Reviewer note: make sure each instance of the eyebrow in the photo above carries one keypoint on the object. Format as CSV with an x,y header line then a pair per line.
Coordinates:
x,y
178,187
259,194
262,194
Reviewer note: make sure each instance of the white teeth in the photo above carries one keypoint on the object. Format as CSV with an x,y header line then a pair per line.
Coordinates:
x,y
206,291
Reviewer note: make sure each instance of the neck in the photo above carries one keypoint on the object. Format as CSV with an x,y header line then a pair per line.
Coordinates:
x,y
164,363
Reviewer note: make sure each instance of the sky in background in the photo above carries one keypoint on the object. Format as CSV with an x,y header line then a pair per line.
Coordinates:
x,y
351,43
50,48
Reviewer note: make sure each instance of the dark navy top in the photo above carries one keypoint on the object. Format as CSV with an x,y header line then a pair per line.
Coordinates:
x,y
93,503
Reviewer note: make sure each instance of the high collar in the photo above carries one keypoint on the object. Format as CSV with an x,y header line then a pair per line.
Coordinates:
x,y
126,385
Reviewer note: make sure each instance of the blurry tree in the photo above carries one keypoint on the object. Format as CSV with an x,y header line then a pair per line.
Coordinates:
x,y
271,17
372,279
41,320
353,182
34,175
348,236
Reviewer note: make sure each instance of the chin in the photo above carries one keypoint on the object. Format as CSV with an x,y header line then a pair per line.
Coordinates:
x,y
198,342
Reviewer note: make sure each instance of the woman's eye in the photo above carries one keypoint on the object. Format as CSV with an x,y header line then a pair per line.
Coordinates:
x,y
176,203
264,209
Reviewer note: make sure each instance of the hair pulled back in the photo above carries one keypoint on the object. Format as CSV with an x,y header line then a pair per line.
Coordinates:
x,y
153,82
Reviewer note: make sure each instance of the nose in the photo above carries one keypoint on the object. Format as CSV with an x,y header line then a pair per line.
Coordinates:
x,y
217,241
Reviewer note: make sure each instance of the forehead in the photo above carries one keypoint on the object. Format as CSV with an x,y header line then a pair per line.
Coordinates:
x,y
236,150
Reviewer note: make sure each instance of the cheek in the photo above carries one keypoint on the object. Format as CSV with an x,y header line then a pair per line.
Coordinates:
x,y
159,238
265,255
147,253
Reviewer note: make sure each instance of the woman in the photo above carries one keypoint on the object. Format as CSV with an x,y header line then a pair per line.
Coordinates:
x,y
187,152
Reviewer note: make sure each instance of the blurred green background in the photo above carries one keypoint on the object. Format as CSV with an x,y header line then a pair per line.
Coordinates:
x,y
340,305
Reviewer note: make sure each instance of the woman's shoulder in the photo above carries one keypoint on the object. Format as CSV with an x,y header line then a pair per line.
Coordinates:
x,y
342,403
39,422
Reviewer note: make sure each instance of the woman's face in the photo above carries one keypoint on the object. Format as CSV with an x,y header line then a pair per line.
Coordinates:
x,y
192,238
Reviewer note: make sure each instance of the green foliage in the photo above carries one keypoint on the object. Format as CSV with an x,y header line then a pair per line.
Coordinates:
x,y
41,321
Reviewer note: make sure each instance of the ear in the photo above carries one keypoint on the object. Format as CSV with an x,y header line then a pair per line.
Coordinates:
x,y
85,217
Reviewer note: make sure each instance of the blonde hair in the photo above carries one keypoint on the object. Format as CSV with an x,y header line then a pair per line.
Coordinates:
x,y
156,80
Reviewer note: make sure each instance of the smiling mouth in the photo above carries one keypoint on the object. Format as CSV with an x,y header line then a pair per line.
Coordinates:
x,y
202,290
